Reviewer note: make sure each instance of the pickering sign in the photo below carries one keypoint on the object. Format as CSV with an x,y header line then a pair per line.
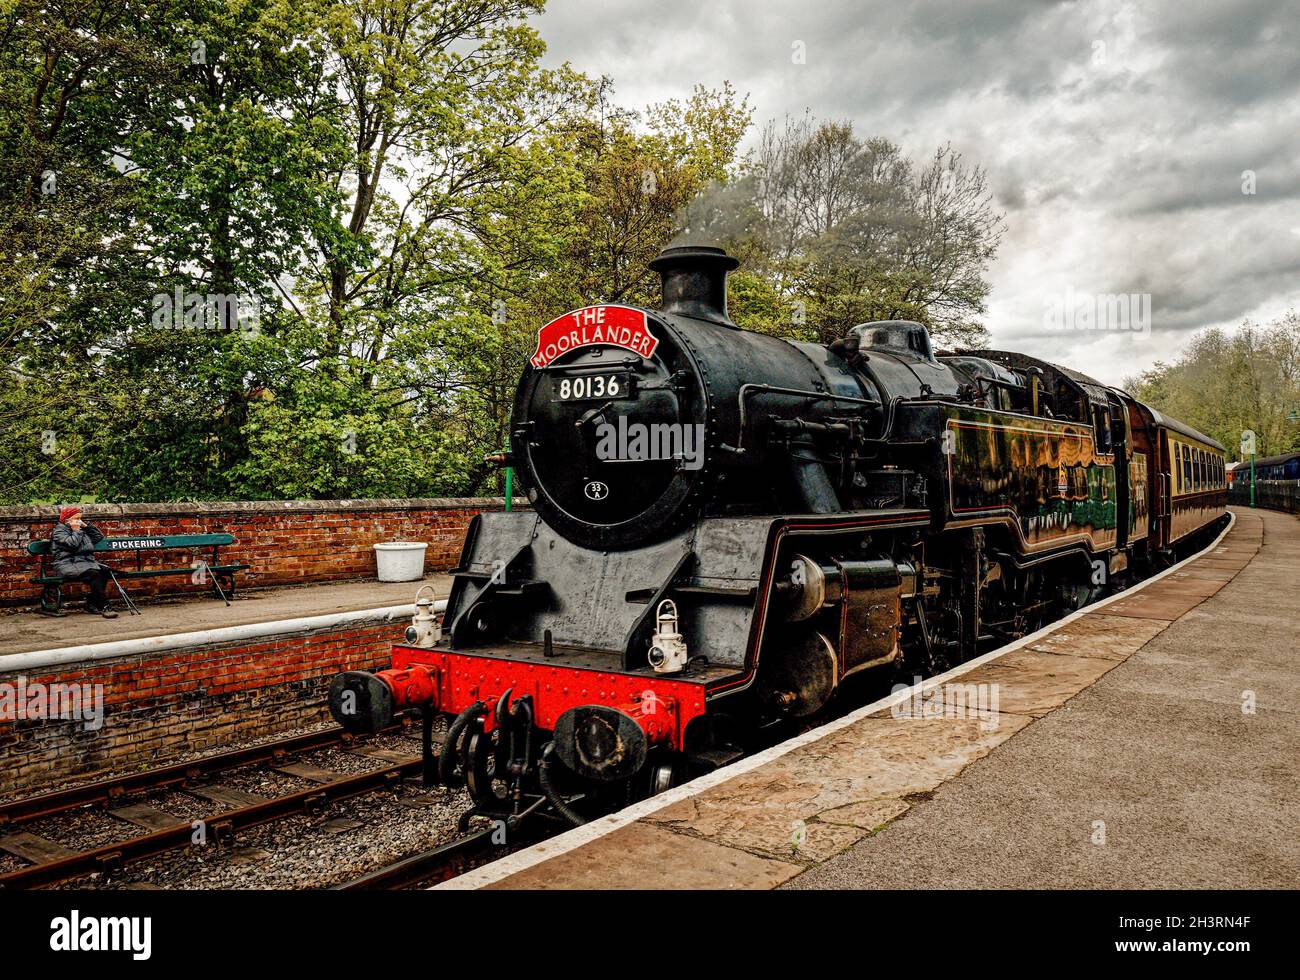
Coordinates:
x,y
595,326
102,933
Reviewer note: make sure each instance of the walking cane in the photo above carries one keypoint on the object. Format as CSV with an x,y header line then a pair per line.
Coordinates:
x,y
126,599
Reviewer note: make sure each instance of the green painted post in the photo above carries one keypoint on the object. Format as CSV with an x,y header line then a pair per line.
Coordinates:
x,y
1252,479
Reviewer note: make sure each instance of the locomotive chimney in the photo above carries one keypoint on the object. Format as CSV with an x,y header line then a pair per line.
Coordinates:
x,y
695,281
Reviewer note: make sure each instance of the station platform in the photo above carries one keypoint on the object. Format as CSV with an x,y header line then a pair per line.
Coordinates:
x,y
26,632
1149,741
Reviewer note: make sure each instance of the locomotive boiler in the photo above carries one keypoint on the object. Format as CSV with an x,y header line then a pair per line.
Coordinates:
x,y
725,527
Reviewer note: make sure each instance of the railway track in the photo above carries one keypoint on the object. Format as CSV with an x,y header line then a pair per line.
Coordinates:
x,y
232,810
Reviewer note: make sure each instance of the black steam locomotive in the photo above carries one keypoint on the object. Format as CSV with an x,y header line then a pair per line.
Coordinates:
x,y
727,526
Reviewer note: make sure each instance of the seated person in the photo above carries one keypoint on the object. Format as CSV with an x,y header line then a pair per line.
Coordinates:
x,y
72,546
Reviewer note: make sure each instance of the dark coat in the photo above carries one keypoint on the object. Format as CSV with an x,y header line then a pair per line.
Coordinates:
x,y
74,551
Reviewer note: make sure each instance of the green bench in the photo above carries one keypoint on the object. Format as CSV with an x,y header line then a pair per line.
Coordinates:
x,y
220,577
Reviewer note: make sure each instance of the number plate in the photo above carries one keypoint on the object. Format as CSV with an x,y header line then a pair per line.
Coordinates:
x,y
584,387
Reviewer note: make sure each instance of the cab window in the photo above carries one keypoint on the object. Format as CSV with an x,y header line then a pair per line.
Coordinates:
x,y
1101,426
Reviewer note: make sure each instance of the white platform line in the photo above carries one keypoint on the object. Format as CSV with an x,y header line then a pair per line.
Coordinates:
x,y
579,836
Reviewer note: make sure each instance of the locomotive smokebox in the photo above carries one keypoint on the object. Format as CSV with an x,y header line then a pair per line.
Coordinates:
x,y
695,281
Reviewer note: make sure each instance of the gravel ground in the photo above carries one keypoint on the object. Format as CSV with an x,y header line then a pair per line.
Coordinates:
x,y
350,838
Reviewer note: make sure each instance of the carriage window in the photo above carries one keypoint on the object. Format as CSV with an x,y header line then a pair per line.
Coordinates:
x,y
1101,426
1187,468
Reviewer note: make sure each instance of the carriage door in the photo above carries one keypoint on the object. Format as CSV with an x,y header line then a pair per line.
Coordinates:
x,y
1117,420
1166,490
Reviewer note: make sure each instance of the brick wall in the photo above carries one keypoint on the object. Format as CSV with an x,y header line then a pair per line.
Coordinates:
x,y
157,706
286,542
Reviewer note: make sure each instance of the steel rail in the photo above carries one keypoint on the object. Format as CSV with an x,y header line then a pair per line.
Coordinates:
x,y
435,865
112,789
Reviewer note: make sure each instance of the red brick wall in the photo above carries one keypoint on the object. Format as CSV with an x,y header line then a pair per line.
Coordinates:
x,y
157,706
286,542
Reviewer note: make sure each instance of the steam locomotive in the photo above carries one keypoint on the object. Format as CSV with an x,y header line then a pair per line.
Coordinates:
x,y
727,527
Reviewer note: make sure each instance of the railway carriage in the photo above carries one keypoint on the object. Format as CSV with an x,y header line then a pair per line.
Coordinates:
x,y
727,527
1275,468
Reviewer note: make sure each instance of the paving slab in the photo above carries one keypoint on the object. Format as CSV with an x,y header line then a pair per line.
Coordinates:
x,y
1167,606
664,860
818,799
1031,682
1100,635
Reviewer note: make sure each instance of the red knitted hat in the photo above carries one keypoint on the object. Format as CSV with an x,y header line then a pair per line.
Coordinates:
x,y
68,513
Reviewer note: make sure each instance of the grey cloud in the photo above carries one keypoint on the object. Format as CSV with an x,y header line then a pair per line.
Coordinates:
x,y
1119,176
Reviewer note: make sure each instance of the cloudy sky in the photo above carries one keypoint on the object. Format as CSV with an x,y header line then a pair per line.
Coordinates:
x,y
1115,134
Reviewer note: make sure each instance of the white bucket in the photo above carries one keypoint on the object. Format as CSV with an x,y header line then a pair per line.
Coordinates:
x,y
400,561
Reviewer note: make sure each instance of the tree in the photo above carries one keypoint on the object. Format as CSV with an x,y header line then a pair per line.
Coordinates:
x,y
1225,383
849,230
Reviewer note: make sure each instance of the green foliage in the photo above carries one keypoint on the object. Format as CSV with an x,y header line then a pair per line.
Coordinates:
x,y
403,195
1225,383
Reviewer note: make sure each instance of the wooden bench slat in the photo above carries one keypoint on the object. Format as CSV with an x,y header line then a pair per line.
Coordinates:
x,y
186,570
